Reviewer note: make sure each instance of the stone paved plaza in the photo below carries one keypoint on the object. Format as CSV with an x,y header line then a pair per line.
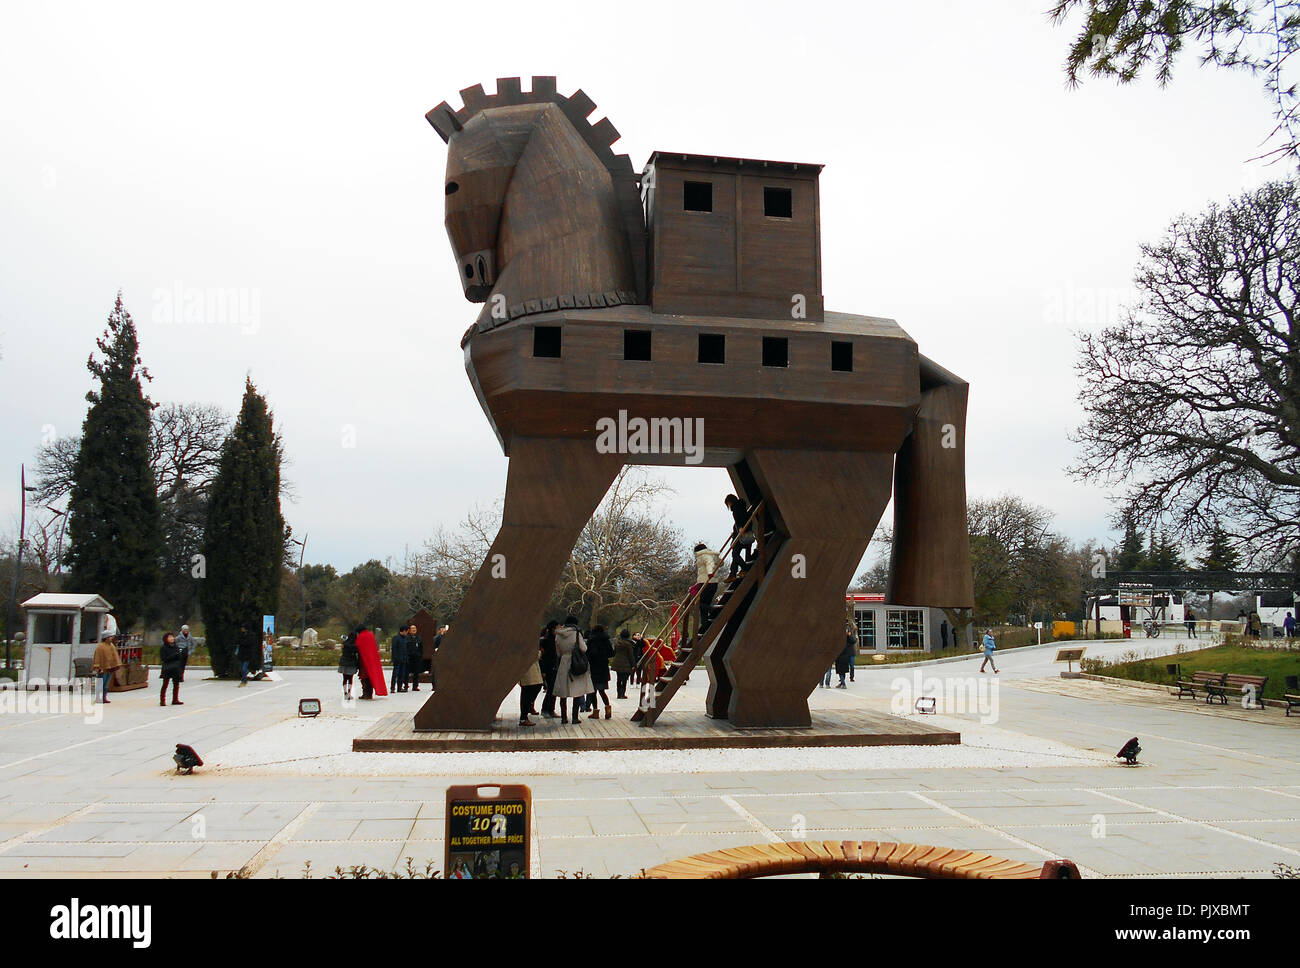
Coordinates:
x,y
1217,792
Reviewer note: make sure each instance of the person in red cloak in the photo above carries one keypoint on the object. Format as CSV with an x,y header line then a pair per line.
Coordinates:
x,y
371,672
663,654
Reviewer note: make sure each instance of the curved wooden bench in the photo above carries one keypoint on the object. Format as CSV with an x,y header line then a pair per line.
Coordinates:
x,y
857,857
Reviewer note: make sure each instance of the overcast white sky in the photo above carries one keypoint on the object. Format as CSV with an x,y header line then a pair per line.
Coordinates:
x,y
281,151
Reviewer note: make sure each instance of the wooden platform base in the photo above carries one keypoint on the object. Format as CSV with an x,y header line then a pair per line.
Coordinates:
x,y
674,730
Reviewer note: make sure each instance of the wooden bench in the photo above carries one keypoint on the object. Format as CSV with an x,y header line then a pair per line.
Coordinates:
x,y
1292,695
1199,680
1247,687
830,857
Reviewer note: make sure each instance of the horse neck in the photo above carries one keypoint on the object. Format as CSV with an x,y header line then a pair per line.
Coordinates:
x,y
560,232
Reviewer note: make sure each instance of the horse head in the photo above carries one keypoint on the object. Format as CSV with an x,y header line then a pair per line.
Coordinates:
x,y
540,213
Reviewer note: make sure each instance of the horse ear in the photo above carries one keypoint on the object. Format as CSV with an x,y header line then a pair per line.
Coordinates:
x,y
444,121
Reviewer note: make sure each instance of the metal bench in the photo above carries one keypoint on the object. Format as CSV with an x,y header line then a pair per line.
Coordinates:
x,y
1204,681
831,857
1250,688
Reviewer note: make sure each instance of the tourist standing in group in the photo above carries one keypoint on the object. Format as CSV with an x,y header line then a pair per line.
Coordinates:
x,y
105,662
549,662
414,655
742,533
568,640
173,670
624,661
708,569
397,681
599,651
372,673
530,684
638,649
349,662
989,648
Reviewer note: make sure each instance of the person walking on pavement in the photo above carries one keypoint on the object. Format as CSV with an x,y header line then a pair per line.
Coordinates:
x,y
1189,618
173,670
843,661
989,647
105,662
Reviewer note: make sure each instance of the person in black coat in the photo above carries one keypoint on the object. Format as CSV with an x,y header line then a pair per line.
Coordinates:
x,y
414,655
844,661
549,662
599,651
250,651
173,659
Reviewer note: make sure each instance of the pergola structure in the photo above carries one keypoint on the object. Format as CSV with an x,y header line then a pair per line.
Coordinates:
x,y
1185,582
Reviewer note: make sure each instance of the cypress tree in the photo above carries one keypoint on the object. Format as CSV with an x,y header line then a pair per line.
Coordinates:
x,y
114,521
1129,555
244,542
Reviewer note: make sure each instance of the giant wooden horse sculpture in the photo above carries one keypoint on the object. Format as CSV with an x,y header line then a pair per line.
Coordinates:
x,y
687,297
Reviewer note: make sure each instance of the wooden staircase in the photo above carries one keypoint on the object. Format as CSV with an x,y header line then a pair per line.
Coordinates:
x,y
726,608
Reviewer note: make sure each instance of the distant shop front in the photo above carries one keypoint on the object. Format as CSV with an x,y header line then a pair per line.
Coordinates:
x,y
890,629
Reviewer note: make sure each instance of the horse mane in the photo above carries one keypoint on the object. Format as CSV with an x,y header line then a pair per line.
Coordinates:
x,y
599,137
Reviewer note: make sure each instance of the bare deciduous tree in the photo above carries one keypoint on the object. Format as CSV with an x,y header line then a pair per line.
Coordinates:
x,y
1192,402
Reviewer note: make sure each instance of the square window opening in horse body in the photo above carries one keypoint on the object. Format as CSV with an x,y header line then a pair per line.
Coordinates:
x,y
776,351
546,342
778,202
713,348
636,344
697,196
841,357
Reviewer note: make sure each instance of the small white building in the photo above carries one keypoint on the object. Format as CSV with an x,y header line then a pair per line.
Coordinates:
x,y
887,628
61,628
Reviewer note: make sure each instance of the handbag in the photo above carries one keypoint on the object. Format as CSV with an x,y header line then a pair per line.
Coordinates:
x,y
578,662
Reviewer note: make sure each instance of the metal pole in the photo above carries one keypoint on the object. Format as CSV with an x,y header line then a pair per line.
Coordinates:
x,y
302,586
18,565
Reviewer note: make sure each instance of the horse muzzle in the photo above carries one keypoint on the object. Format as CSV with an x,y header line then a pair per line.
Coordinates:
x,y
478,274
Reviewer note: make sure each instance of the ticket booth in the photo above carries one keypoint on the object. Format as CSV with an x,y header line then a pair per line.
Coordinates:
x,y
65,628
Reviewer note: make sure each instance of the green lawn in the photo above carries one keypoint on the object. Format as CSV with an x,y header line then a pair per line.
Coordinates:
x,y
1277,664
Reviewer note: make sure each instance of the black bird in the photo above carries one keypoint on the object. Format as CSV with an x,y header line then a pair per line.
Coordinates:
x,y
186,759
1130,751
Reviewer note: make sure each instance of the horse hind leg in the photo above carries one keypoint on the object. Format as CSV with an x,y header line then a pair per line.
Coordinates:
x,y
930,560
553,486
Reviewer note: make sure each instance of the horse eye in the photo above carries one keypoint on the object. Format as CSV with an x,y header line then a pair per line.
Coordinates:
x,y
452,188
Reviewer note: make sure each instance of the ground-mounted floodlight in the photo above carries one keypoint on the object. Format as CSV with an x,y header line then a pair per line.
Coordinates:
x,y
925,705
1129,751
308,708
186,759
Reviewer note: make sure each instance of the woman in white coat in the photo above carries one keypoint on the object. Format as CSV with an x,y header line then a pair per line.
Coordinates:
x,y
568,640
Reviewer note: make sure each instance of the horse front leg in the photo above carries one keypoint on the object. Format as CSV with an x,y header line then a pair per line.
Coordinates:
x,y
553,486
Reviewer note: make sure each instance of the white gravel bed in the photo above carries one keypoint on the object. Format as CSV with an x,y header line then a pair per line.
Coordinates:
x,y
323,747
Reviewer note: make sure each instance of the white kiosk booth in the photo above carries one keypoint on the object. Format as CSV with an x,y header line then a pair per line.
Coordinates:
x,y
61,628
